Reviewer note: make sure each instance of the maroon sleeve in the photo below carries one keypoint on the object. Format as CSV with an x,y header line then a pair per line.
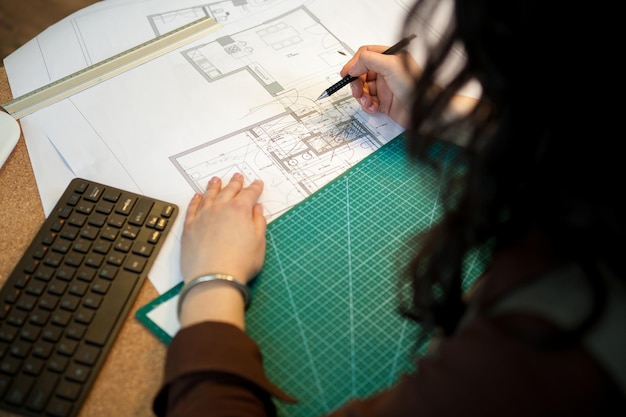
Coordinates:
x,y
215,369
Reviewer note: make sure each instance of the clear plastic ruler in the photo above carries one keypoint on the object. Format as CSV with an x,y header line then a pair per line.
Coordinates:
x,y
110,67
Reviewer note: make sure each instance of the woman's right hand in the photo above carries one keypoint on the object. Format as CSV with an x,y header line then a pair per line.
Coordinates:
x,y
224,231
384,84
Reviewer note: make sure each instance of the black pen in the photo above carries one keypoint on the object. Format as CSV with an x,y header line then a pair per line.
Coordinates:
x,y
348,78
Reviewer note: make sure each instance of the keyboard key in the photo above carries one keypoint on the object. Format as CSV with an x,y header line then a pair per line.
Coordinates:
x,y
87,355
140,212
59,408
40,394
19,390
108,313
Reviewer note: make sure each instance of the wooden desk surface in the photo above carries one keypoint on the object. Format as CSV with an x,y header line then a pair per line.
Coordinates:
x,y
133,370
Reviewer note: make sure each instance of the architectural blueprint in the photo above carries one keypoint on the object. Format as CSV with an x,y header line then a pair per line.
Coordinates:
x,y
240,99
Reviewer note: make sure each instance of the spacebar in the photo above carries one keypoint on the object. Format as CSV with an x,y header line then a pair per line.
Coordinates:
x,y
108,313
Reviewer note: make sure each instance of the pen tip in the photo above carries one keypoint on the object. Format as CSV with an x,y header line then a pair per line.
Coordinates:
x,y
324,94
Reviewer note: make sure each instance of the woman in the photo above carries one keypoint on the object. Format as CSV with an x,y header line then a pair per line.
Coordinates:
x,y
541,334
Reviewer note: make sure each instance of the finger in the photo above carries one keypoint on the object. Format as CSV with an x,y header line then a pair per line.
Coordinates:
x,y
371,62
354,66
369,101
250,194
384,98
349,64
372,89
361,92
357,88
260,222
213,188
371,76
192,208
369,104
385,105
230,190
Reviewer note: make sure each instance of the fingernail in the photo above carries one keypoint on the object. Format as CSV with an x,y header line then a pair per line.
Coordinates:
x,y
214,180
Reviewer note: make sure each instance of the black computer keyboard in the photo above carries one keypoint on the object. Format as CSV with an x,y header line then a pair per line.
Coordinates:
x,y
64,303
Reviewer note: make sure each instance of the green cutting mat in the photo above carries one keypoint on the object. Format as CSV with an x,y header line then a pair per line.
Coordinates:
x,y
324,308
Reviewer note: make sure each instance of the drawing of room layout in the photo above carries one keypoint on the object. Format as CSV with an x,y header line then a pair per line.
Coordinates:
x,y
306,143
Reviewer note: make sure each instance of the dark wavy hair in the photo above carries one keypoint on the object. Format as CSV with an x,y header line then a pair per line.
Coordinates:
x,y
530,163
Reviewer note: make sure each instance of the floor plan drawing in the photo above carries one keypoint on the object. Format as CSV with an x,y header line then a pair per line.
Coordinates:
x,y
307,143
